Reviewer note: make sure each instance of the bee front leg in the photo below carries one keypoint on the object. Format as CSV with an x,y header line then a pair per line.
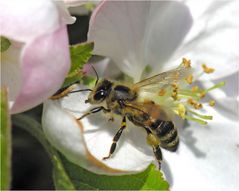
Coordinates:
x,y
94,110
63,92
116,138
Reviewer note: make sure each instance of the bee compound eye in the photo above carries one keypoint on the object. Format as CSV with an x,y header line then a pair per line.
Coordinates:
x,y
99,95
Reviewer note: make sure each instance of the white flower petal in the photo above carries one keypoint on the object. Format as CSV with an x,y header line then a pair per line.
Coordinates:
x,y
214,38
63,131
208,156
132,153
227,96
134,34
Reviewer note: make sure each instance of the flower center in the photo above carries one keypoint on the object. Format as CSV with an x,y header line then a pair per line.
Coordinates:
x,y
185,99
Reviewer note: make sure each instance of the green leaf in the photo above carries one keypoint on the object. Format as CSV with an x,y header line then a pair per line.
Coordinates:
x,y
5,44
80,54
68,176
60,176
150,179
5,142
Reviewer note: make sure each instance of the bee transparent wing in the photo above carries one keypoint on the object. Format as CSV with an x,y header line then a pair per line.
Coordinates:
x,y
163,80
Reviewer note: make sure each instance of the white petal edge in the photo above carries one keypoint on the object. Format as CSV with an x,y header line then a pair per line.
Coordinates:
x,y
132,153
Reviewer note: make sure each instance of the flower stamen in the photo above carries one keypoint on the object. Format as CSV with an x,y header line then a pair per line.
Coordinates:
x,y
207,70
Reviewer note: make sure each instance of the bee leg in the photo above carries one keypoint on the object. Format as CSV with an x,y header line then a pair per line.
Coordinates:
x,y
158,155
94,110
63,92
154,142
116,138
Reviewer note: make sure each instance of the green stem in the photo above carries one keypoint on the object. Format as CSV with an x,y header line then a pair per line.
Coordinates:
x,y
34,128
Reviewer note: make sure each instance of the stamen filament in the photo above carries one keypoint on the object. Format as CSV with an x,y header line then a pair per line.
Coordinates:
x,y
196,120
218,85
208,117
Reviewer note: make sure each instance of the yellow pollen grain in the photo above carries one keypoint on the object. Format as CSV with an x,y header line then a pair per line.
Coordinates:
x,y
152,140
186,63
212,103
189,79
207,70
162,92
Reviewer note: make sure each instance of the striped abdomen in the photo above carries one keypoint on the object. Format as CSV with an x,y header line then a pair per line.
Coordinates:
x,y
167,134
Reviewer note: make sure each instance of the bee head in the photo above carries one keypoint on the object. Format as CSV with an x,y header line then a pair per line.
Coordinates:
x,y
100,92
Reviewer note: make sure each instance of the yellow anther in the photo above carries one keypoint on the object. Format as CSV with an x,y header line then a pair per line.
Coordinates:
x,y
195,89
207,70
181,110
191,101
186,63
174,95
198,106
189,79
175,86
162,92
194,103
202,94
212,103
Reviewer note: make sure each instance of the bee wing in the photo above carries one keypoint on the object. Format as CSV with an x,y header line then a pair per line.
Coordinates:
x,y
163,80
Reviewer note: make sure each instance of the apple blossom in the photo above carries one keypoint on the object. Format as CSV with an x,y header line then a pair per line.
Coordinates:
x,y
37,60
156,34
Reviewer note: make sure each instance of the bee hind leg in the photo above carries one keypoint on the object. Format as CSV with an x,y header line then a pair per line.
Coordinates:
x,y
158,155
154,142
116,138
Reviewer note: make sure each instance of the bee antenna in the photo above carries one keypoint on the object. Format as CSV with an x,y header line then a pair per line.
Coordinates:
x,y
97,77
90,90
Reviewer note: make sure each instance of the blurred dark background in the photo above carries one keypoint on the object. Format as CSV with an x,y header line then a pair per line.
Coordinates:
x,y
31,166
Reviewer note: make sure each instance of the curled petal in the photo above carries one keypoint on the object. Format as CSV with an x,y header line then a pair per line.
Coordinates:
x,y
45,63
132,153
134,34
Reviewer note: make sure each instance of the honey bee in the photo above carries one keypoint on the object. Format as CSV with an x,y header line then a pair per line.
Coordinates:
x,y
134,102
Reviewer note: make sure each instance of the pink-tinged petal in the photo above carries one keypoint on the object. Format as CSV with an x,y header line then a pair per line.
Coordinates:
x,y
214,38
45,63
23,21
207,157
137,34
